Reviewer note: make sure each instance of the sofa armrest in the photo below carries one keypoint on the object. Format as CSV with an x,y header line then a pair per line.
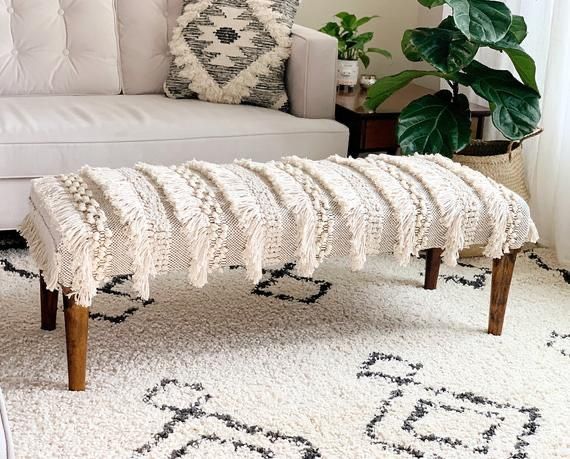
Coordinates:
x,y
311,74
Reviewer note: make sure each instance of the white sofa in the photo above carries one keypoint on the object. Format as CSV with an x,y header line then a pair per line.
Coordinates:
x,y
81,83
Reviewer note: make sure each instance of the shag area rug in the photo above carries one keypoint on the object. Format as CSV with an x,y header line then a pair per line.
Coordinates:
x,y
345,365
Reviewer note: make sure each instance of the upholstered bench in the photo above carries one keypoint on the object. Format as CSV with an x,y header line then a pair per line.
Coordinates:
x,y
199,217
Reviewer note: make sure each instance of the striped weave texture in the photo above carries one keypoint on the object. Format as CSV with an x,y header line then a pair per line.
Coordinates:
x,y
200,217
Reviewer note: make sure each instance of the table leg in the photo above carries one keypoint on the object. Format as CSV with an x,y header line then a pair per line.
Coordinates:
x,y
480,127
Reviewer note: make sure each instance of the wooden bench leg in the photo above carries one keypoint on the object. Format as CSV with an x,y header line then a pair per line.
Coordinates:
x,y
76,332
48,304
433,262
500,287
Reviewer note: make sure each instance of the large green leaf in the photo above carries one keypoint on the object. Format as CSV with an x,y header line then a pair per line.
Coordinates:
x,y
515,107
387,86
383,52
482,21
364,20
347,20
446,50
432,3
516,33
523,63
435,124
525,66
519,28
408,47
364,59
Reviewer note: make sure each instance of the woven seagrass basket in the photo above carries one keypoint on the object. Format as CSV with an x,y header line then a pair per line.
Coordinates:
x,y
501,160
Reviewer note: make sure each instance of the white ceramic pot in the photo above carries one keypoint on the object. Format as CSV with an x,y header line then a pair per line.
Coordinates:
x,y
347,73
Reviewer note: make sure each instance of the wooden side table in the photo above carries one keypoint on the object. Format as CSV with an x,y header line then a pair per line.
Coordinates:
x,y
376,131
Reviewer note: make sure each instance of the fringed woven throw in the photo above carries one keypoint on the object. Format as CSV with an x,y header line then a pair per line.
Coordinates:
x,y
200,217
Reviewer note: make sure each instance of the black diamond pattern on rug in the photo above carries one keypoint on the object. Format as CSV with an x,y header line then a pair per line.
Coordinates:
x,y
118,286
440,422
543,265
208,432
11,240
477,281
270,285
560,342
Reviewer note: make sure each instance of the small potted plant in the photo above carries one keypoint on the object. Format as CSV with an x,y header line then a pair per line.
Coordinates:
x,y
441,123
351,46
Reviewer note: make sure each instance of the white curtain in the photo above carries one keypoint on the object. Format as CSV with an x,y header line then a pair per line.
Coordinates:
x,y
548,157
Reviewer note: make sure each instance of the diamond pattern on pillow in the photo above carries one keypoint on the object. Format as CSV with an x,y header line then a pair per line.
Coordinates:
x,y
232,51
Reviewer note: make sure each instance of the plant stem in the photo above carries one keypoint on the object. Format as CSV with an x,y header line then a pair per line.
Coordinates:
x,y
455,87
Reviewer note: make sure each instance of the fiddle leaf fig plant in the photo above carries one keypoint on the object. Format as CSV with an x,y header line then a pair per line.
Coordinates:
x,y
440,123
351,43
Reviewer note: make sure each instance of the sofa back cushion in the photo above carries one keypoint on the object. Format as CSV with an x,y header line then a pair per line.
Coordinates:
x,y
144,32
58,47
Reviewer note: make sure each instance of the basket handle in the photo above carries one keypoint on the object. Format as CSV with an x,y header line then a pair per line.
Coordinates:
x,y
536,132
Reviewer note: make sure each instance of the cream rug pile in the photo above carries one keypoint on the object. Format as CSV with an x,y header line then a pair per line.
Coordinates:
x,y
345,365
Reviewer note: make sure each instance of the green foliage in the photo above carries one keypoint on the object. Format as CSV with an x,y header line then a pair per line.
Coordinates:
x,y
439,120
378,93
440,123
351,43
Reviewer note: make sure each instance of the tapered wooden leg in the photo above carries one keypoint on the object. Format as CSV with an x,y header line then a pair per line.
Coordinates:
x,y
76,332
48,304
501,285
433,262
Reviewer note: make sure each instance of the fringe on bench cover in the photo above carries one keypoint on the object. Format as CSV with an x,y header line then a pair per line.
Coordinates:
x,y
208,200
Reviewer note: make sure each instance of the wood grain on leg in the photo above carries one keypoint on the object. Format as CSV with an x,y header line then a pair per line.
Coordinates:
x,y
502,275
433,262
48,304
76,332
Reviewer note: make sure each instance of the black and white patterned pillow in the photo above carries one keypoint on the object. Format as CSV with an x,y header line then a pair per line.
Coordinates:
x,y
232,51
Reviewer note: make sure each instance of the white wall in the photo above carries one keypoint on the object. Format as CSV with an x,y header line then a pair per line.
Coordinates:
x,y
395,17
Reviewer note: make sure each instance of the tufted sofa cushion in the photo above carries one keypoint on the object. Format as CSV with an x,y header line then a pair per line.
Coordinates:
x,y
144,32
58,47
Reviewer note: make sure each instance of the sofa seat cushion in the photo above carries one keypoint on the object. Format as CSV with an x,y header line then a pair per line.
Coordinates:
x,y
52,135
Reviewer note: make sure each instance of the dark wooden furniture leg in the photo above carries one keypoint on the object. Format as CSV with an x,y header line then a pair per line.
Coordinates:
x,y
480,127
433,262
76,332
501,284
48,304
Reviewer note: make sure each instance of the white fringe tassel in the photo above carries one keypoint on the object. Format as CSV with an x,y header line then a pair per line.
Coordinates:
x,y
44,252
346,198
187,209
127,205
76,236
298,202
456,205
397,198
490,194
245,207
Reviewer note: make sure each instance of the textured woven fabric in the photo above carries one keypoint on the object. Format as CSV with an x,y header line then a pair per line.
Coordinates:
x,y
232,51
201,217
